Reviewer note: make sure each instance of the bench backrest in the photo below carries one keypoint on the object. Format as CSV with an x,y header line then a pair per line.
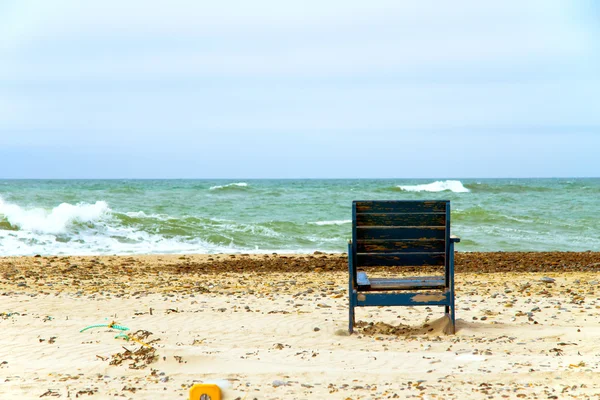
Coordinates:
x,y
400,233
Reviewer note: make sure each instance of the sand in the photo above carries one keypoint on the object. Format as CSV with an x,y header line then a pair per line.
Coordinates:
x,y
274,327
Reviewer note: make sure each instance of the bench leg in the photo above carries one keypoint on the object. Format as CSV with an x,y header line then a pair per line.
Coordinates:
x,y
451,316
351,319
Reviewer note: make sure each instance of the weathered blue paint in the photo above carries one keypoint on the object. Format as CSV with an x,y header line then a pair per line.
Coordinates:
x,y
400,206
401,219
401,233
406,246
351,285
403,299
365,283
400,259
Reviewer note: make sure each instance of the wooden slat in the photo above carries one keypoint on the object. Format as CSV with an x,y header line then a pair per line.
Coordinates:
x,y
401,219
399,206
406,283
377,233
404,299
409,246
400,259
424,282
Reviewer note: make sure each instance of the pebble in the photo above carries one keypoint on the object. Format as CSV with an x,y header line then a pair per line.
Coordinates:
x,y
546,279
277,383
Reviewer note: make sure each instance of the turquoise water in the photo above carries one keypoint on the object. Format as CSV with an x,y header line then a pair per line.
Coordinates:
x,y
299,216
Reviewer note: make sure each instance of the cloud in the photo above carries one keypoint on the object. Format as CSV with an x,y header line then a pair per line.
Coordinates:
x,y
114,40
256,77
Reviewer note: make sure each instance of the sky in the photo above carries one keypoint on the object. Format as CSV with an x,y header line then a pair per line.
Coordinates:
x,y
310,89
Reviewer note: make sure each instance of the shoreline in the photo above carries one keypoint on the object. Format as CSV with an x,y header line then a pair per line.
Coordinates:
x,y
274,327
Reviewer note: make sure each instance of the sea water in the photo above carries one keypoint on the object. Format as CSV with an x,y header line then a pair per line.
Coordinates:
x,y
78,217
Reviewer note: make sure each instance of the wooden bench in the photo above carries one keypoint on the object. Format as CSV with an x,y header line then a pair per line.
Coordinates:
x,y
400,233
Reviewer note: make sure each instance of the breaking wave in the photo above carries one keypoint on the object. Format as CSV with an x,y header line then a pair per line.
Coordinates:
x,y
339,222
235,185
438,186
55,221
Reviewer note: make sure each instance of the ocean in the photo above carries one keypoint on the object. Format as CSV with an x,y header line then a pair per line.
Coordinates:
x,y
89,217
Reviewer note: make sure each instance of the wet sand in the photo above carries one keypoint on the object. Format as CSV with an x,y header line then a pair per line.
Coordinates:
x,y
274,327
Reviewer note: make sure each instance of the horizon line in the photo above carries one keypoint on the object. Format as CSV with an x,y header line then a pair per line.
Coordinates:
x,y
299,178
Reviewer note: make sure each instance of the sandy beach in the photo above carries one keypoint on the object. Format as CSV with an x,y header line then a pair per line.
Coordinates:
x,y
274,327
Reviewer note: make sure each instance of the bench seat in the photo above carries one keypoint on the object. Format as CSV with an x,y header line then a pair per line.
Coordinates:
x,y
405,283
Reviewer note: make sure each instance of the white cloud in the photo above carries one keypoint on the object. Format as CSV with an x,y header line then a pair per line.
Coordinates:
x,y
256,76
112,40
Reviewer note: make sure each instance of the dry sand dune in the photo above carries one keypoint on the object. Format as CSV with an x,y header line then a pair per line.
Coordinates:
x,y
274,327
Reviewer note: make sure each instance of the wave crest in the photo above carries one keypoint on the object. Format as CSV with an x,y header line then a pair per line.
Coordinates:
x,y
53,221
337,222
437,186
229,186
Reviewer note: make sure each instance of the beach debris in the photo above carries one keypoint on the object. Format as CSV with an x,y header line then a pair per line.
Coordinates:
x,y
546,279
579,365
139,358
50,392
112,325
8,315
89,392
557,351
277,383
180,359
136,337
205,391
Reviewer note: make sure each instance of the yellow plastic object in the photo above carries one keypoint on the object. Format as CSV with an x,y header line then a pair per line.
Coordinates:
x,y
205,391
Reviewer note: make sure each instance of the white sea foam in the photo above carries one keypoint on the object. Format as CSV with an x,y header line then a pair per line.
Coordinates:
x,y
238,184
229,227
337,222
16,243
89,229
438,186
136,214
56,220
